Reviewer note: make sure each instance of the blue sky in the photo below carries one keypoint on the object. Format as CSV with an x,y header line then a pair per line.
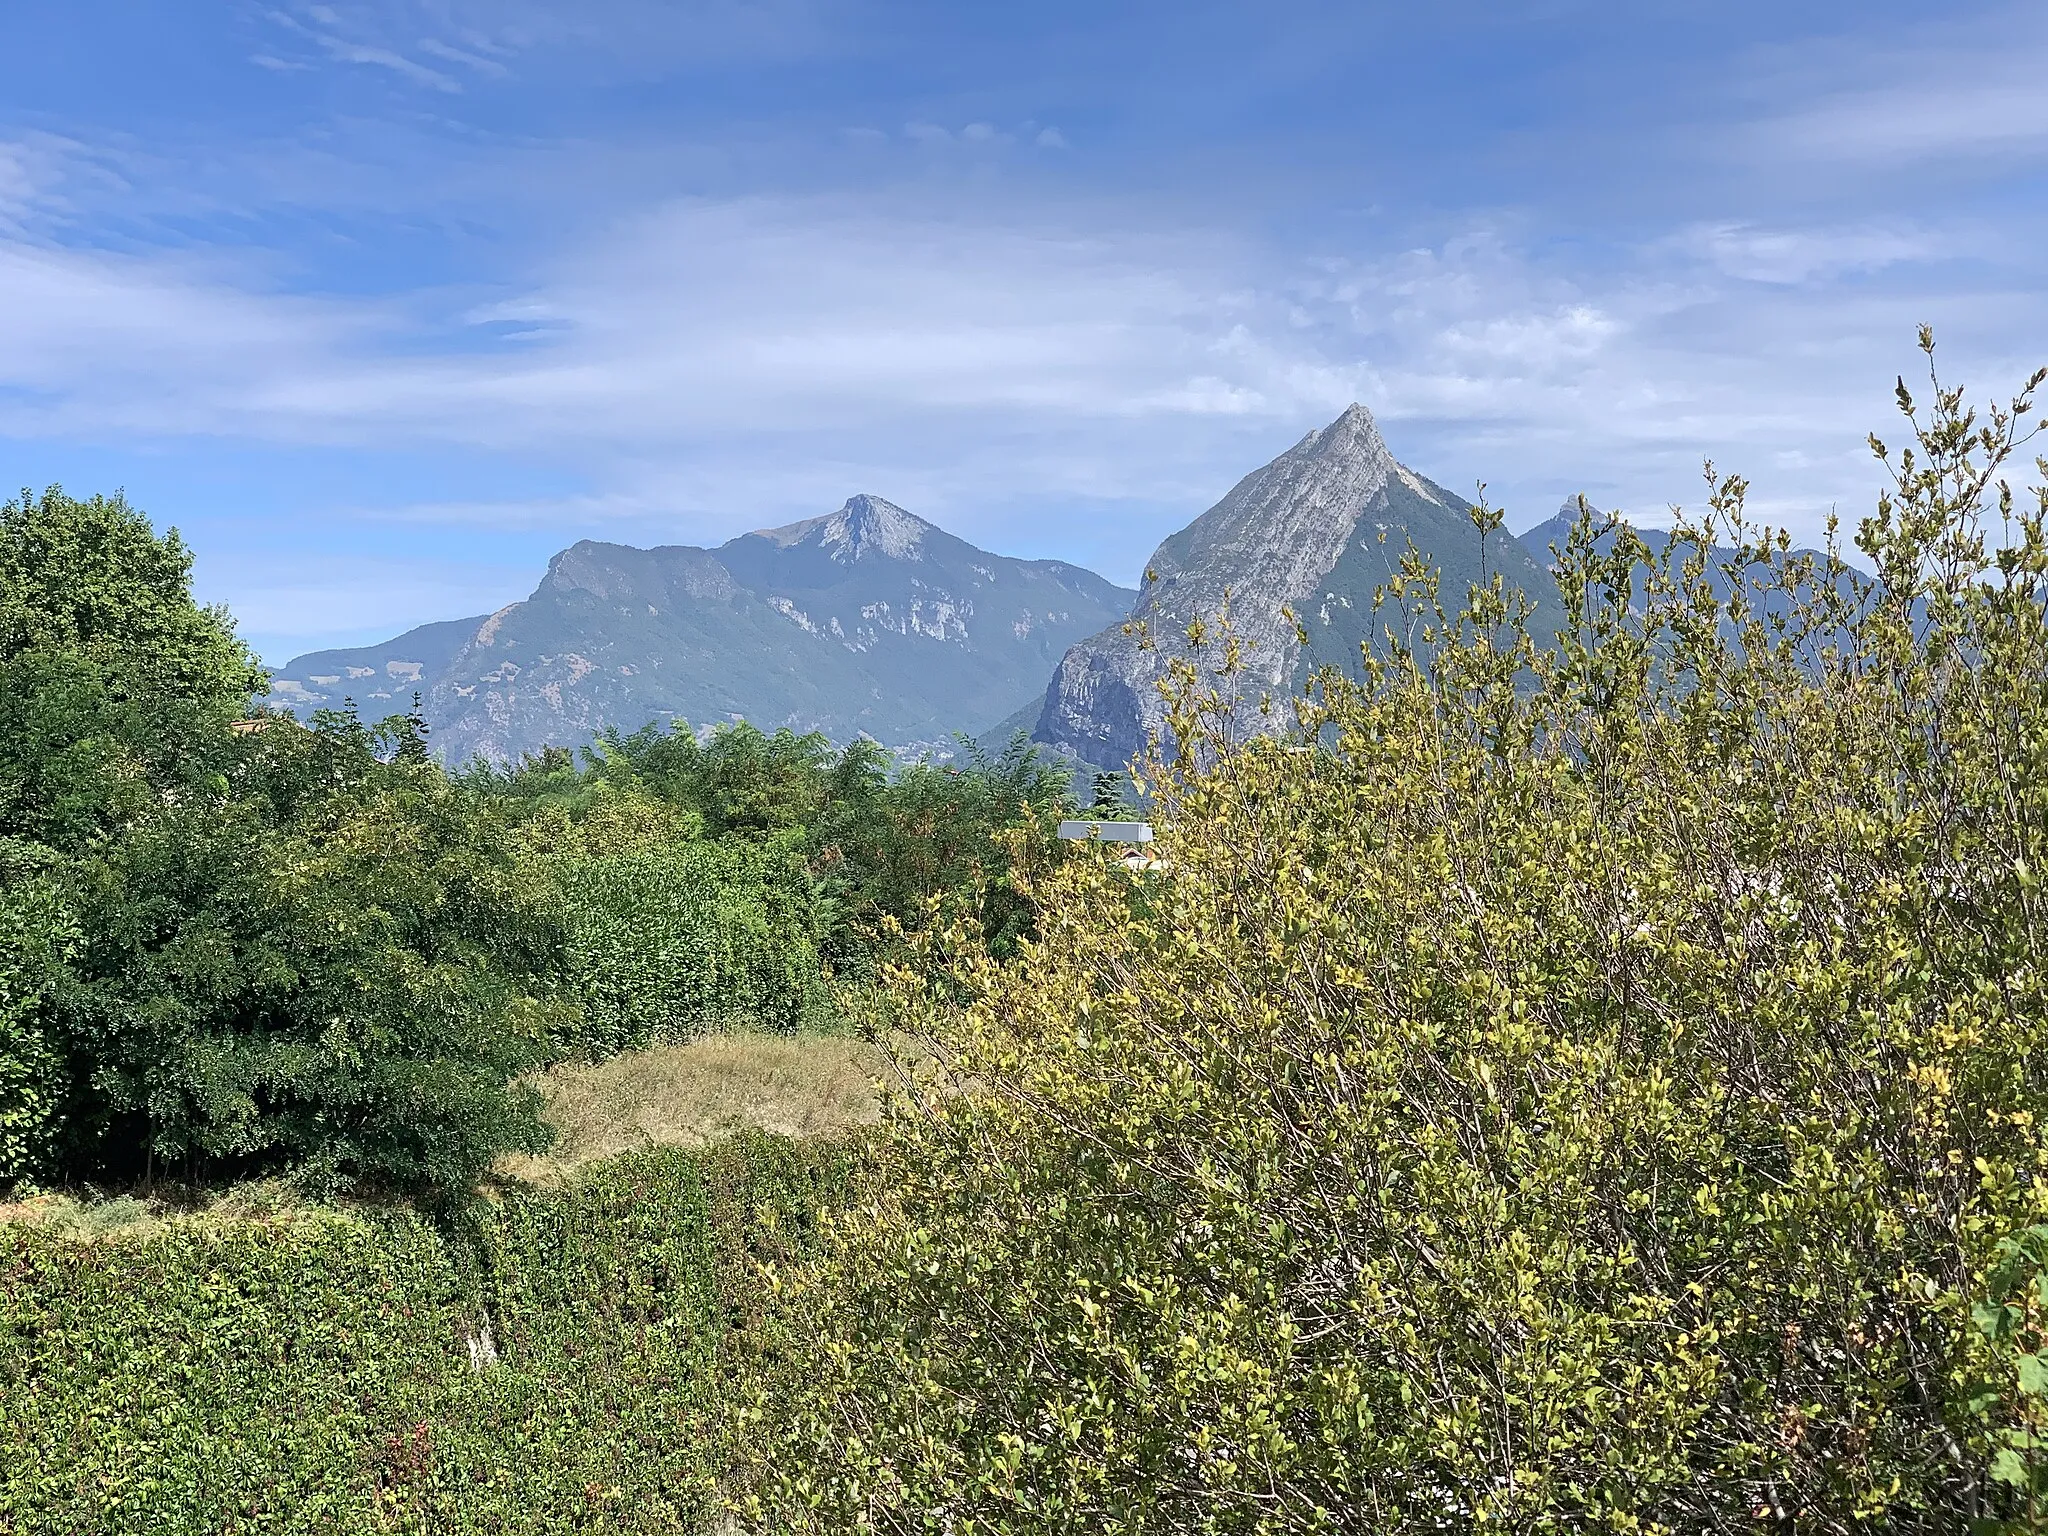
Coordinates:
x,y
384,302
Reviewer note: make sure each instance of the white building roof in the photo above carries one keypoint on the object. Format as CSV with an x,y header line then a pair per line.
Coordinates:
x,y
1107,831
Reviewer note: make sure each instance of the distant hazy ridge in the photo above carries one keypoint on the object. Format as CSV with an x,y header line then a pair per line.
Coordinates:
x,y
869,620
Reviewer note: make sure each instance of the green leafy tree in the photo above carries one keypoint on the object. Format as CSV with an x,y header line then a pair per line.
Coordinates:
x,y
937,839
738,779
115,686
879,851
115,693
331,967
1563,1087
93,578
668,933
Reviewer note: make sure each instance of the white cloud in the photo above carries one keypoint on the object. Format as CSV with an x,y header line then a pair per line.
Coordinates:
x,y
1790,256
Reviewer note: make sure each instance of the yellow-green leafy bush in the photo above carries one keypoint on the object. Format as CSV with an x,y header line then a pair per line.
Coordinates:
x,y
1564,1090
321,1372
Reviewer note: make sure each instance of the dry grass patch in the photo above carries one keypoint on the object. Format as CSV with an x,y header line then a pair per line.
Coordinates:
x,y
89,1216
803,1085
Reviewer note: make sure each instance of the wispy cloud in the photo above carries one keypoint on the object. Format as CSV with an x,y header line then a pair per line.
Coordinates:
x,y
974,136
43,174
1910,122
385,58
1754,253
464,56
20,185
1943,88
729,363
489,36
357,40
467,238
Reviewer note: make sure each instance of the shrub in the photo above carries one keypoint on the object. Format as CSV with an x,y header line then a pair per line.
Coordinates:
x,y
1563,1089
35,936
668,940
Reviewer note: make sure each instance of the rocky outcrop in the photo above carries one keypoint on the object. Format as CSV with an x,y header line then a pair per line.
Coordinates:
x,y
1298,546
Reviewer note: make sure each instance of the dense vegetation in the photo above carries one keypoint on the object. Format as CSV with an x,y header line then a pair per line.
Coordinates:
x,y
1577,1087
556,1367
233,945
1555,1085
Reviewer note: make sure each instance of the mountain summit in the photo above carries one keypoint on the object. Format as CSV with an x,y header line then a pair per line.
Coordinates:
x,y
1311,534
868,620
865,526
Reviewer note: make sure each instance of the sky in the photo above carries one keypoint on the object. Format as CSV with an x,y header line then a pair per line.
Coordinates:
x,y
382,303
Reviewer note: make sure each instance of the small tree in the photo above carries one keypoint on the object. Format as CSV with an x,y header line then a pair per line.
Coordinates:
x,y
1108,802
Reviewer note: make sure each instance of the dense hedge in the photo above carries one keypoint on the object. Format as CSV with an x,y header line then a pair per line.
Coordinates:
x,y
317,1372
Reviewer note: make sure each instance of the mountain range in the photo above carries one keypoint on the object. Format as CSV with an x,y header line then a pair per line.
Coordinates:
x,y
873,621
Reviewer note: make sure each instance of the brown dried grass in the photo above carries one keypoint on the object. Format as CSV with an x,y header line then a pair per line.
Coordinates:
x,y
794,1085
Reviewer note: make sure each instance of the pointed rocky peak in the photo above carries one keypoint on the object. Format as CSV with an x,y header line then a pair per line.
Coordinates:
x,y
1350,443
1353,435
866,525
1288,519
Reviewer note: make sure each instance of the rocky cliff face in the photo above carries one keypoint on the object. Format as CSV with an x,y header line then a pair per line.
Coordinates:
x,y
1312,534
870,620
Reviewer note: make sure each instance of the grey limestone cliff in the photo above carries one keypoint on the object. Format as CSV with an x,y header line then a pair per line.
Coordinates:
x,y
1310,535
